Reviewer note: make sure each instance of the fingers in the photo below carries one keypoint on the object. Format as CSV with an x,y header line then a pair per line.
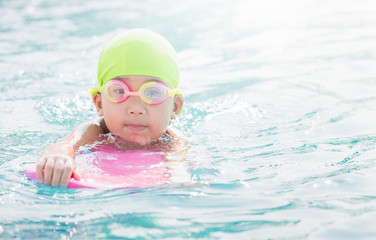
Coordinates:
x,y
39,169
48,170
58,170
67,173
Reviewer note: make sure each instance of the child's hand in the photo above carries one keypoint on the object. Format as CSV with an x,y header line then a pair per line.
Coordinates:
x,y
56,169
57,164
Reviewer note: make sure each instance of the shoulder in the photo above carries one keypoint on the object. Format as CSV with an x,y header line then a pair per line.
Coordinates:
x,y
176,134
89,132
180,144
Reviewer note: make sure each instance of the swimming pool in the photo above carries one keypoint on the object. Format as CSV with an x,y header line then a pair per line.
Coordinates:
x,y
280,112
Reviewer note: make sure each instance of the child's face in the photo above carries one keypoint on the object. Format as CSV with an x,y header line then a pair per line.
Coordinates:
x,y
134,120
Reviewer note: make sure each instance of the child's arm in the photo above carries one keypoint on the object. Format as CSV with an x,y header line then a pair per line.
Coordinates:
x,y
57,164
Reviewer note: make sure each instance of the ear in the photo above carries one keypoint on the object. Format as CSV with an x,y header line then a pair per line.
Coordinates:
x,y
178,106
98,104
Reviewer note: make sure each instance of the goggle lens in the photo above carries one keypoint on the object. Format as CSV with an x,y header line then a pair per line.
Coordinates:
x,y
116,91
153,92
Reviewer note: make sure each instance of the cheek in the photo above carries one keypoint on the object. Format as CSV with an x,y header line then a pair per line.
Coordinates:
x,y
168,109
111,114
163,113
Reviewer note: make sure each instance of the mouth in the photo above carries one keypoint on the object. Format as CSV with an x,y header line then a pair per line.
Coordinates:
x,y
135,127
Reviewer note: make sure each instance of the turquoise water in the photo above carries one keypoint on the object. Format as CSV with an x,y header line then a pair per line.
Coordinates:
x,y
280,113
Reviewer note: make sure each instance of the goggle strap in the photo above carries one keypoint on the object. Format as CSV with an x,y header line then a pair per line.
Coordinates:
x,y
95,90
173,92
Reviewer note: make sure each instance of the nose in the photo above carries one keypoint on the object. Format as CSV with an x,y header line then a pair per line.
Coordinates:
x,y
135,106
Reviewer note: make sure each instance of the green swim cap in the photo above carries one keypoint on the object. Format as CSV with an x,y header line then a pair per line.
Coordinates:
x,y
138,52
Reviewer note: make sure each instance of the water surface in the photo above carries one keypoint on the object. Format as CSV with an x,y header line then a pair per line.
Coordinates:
x,y
280,114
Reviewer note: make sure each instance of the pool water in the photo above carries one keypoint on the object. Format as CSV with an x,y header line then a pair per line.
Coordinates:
x,y
280,113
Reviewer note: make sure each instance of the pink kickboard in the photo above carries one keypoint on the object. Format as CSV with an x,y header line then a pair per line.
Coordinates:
x,y
108,167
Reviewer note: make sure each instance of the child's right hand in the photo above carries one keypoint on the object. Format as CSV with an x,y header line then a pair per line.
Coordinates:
x,y
56,169
57,164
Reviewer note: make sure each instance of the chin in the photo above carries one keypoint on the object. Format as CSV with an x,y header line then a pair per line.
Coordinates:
x,y
139,140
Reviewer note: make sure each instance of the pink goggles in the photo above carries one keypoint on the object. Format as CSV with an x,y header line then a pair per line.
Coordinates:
x,y
152,92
